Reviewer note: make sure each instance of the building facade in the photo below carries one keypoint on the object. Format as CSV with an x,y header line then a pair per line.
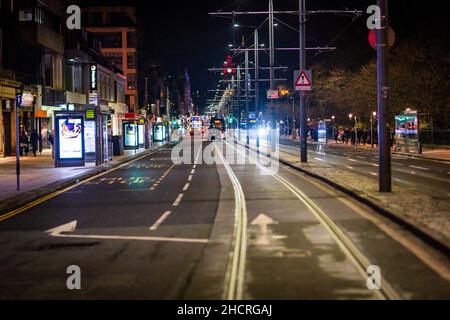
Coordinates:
x,y
115,27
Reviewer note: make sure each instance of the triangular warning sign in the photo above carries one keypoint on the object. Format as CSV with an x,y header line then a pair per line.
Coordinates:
x,y
302,80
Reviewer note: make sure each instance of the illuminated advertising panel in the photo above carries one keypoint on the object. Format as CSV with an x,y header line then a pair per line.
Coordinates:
x,y
89,136
70,137
130,132
141,134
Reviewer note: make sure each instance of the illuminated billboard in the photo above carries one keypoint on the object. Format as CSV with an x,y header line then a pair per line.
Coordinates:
x,y
130,133
70,131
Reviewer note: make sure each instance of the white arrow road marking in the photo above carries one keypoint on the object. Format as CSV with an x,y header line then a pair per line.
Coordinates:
x,y
68,227
61,231
263,221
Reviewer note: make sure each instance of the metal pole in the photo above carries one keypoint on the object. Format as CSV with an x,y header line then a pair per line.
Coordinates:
x,y
271,62
237,114
384,147
256,83
146,94
303,133
246,96
17,143
371,130
293,117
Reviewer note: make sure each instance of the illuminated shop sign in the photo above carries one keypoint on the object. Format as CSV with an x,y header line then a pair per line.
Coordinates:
x,y
93,77
27,99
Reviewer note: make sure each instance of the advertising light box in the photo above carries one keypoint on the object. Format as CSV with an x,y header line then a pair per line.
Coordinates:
x,y
130,132
69,140
89,136
141,134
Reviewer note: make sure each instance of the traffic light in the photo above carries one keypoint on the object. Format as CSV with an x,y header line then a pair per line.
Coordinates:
x,y
229,66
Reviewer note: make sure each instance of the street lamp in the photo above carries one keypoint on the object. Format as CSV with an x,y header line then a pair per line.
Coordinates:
x,y
332,121
356,123
372,118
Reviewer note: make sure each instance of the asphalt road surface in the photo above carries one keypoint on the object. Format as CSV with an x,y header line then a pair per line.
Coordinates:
x,y
151,229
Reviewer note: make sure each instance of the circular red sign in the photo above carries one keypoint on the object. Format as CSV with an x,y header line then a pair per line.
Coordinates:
x,y
372,38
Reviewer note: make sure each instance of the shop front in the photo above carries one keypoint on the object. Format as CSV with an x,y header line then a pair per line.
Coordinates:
x,y
7,108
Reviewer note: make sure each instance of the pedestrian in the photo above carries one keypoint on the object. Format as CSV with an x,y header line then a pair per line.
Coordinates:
x,y
34,139
23,142
353,137
51,142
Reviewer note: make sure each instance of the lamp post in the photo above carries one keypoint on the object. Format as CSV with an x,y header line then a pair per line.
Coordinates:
x,y
372,119
332,123
293,117
356,132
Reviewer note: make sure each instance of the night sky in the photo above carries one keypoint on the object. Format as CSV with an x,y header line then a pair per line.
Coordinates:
x,y
181,34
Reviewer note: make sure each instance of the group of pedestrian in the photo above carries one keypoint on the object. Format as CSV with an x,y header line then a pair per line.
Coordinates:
x,y
34,140
358,136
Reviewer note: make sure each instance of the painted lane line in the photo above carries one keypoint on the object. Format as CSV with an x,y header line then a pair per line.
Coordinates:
x,y
186,186
190,178
420,168
114,237
160,220
234,284
360,261
194,166
192,171
178,200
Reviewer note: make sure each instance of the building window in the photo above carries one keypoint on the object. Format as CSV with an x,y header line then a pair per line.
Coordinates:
x,y
110,39
131,40
131,81
131,60
115,58
26,15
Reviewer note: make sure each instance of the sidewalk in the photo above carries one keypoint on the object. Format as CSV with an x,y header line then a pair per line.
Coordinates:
x,y
430,154
39,175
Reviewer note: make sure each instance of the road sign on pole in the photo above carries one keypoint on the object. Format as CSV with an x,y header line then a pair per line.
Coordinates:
x,y
303,80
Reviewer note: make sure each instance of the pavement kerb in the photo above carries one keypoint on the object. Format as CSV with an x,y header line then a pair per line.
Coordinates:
x,y
21,199
414,156
427,235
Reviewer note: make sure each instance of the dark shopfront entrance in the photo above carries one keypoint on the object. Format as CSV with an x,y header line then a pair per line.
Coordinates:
x,y
6,134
